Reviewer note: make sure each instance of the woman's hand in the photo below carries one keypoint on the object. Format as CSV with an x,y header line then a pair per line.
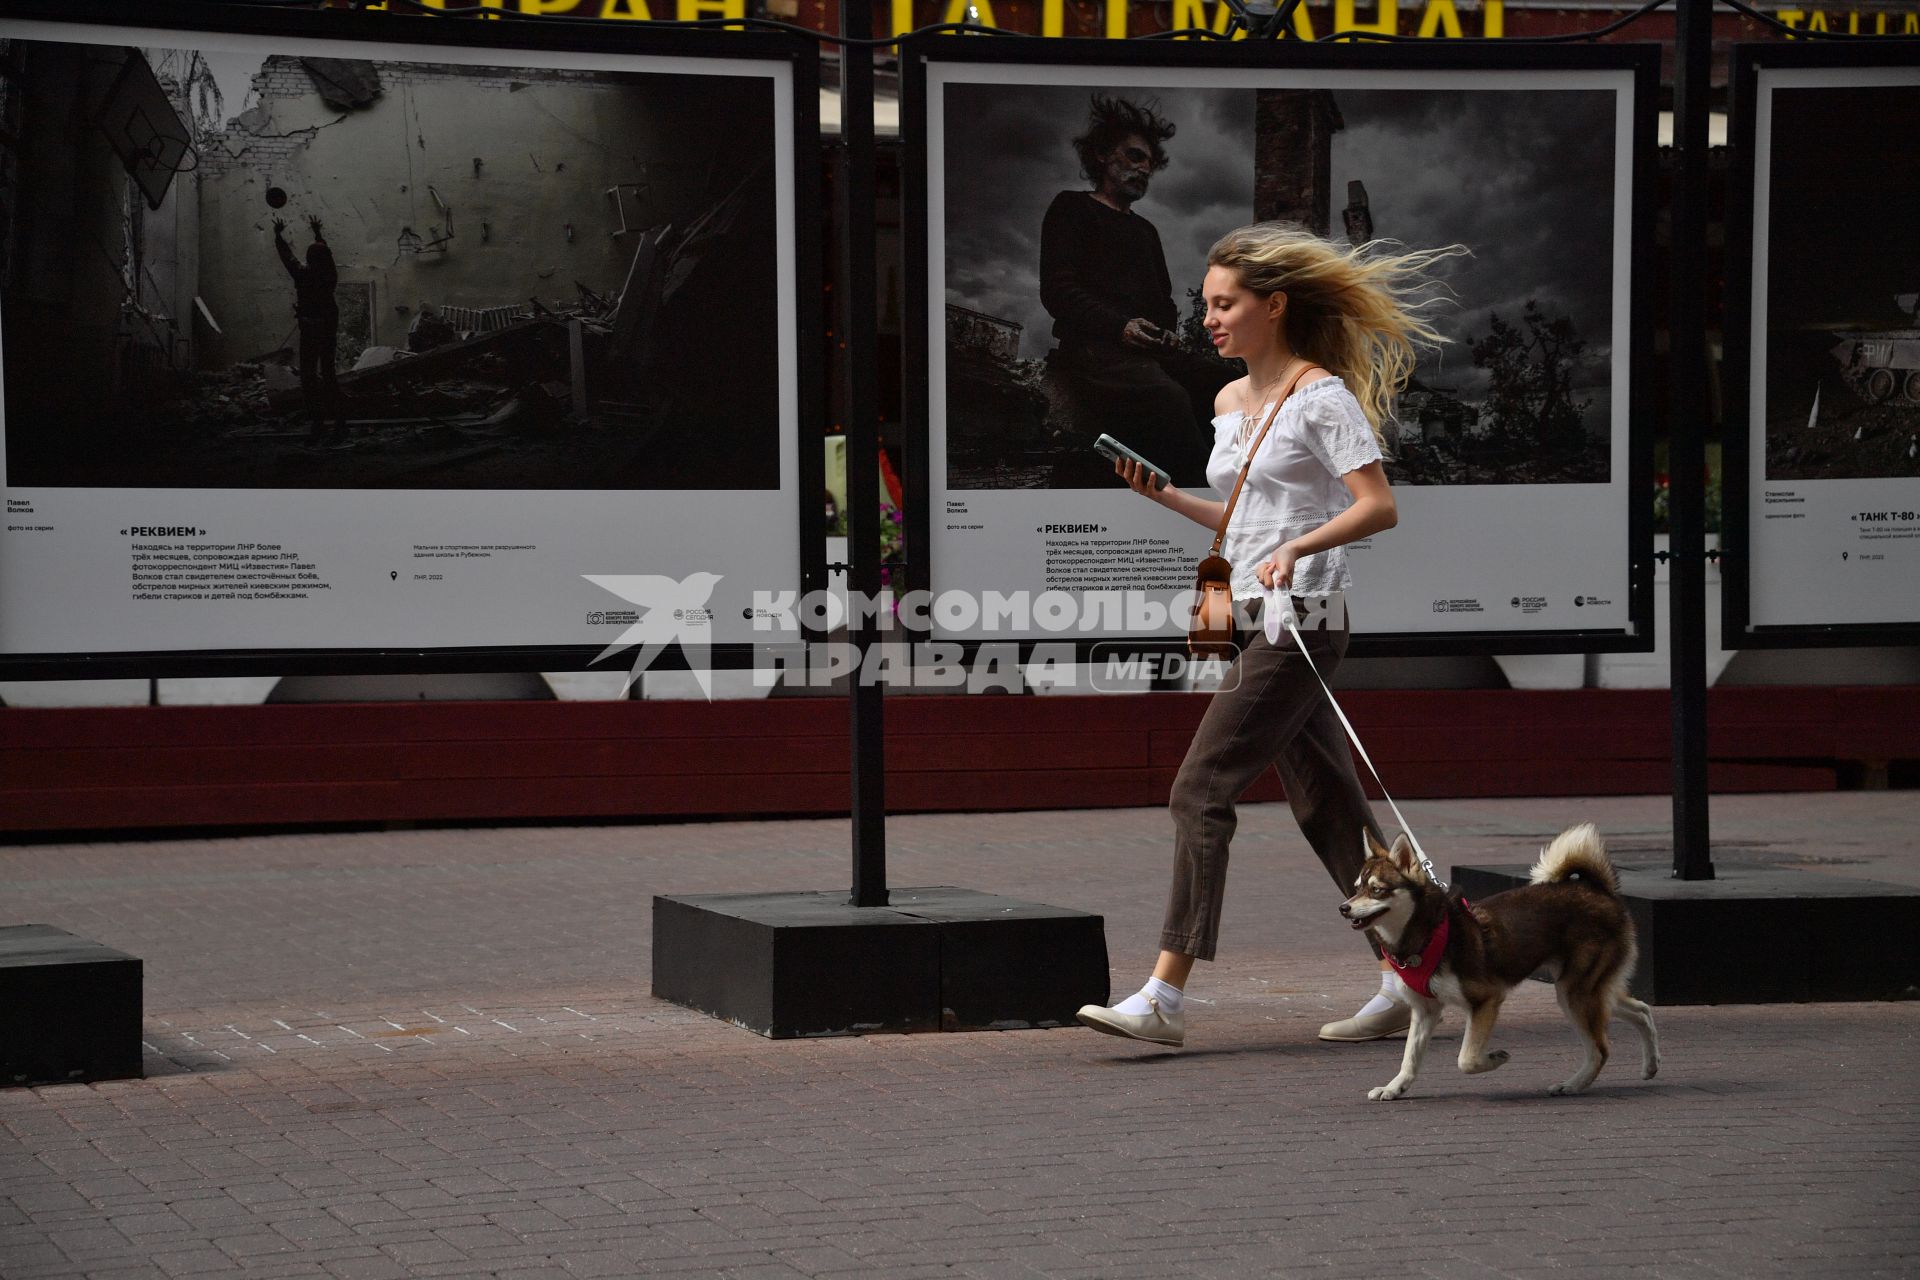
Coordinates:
x,y
1140,480
1277,570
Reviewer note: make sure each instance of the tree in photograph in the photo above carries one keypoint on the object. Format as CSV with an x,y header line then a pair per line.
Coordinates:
x,y
1530,403
1193,329
1195,339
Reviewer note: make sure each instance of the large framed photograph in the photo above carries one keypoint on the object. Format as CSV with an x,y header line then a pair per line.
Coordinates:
x,y
1822,486
345,342
1519,450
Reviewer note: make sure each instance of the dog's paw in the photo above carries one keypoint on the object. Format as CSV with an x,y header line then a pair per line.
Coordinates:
x,y
1650,1068
1566,1088
1494,1058
1387,1092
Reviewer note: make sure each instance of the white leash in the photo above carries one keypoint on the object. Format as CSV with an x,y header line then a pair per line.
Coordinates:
x,y
1287,618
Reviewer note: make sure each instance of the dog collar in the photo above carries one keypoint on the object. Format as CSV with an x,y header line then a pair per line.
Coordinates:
x,y
1419,975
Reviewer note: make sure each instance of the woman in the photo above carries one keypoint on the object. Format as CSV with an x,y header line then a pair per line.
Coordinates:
x,y
1338,326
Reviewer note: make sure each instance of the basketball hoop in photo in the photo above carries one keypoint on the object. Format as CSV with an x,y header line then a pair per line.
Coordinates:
x,y
140,124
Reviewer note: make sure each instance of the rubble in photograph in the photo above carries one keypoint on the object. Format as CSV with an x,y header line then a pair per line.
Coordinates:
x,y
391,275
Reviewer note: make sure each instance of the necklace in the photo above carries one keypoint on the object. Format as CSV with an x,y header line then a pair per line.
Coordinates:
x,y
1255,398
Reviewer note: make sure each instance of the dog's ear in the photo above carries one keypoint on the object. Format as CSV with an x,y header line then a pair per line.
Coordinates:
x,y
1371,848
1405,858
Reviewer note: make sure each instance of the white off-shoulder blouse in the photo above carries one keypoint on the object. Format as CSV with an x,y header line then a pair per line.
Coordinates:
x,y
1294,485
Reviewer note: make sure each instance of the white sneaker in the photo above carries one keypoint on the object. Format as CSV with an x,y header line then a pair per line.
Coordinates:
x,y
1156,1027
1370,1026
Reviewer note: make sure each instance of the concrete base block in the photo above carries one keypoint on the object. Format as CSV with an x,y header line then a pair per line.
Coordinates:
x,y
69,1008
1754,934
933,959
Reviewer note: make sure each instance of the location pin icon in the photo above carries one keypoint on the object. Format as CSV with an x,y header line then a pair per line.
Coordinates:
x,y
393,575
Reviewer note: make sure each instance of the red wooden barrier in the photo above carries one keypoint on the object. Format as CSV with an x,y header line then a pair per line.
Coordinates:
x,y
158,767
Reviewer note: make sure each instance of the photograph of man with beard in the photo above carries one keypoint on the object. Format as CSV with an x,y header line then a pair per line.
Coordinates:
x,y
1103,279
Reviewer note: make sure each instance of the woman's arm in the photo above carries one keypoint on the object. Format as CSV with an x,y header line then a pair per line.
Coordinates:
x,y
1201,511
1205,512
1373,510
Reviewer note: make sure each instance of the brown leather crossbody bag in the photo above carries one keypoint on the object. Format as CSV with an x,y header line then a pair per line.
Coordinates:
x,y
1210,625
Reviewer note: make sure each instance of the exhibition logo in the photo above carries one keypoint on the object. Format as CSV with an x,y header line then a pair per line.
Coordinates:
x,y
667,611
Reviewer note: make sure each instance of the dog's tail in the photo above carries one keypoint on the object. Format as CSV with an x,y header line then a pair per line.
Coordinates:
x,y
1578,853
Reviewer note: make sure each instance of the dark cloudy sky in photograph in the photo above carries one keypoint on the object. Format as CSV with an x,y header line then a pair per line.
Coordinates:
x,y
1860,176
1010,151
1522,177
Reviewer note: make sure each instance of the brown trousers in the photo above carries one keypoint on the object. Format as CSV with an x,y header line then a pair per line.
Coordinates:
x,y
1270,711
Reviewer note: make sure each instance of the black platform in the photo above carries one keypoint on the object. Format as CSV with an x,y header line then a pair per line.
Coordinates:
x,y
1756,934
934,959
69,1008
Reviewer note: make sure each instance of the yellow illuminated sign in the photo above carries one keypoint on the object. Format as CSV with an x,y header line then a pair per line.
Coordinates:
x,y
1875,24
1448,19
1435,17
633,10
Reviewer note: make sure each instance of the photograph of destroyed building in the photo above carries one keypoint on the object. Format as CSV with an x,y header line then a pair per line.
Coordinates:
x,y
1522,392
230,270
1842,311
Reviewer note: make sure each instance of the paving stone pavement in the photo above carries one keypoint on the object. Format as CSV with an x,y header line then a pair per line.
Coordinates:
x,y
432,1053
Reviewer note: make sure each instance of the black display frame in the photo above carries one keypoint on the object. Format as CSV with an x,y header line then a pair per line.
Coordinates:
x,y
1737,499
1640,58
508,36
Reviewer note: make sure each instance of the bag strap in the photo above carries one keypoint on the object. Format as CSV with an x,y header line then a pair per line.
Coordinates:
x,y
1226,516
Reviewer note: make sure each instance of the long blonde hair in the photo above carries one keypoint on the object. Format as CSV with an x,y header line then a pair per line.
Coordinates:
x,y
1357,312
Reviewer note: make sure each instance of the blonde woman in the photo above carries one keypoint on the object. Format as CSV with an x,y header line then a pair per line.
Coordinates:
x,y
1339,326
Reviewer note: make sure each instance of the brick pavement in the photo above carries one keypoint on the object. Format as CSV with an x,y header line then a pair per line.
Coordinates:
x,y
431,1053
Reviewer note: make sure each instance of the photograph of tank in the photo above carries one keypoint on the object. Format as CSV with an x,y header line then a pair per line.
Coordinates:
x,y
233,270
1842,308
1072,274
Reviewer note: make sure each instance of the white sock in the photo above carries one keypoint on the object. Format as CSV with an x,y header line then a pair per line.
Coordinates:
x,y
1390,993
1168,996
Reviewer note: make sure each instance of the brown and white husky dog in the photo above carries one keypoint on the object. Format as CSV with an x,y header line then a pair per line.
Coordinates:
x,y
1569,921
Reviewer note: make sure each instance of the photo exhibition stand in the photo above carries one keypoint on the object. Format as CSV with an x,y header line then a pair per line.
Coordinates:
x,y
923,959
1826,937
71,1008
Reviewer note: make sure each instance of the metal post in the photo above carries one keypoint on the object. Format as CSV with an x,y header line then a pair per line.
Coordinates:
x,y
859,327
1687,454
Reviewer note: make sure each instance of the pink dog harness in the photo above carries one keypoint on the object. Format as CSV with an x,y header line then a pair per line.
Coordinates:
x,y
1419,975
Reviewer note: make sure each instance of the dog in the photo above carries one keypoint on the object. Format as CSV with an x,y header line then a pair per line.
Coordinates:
x,y
1568,921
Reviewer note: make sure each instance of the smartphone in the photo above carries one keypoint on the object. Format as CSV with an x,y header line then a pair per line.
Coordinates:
x,y
1108,447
